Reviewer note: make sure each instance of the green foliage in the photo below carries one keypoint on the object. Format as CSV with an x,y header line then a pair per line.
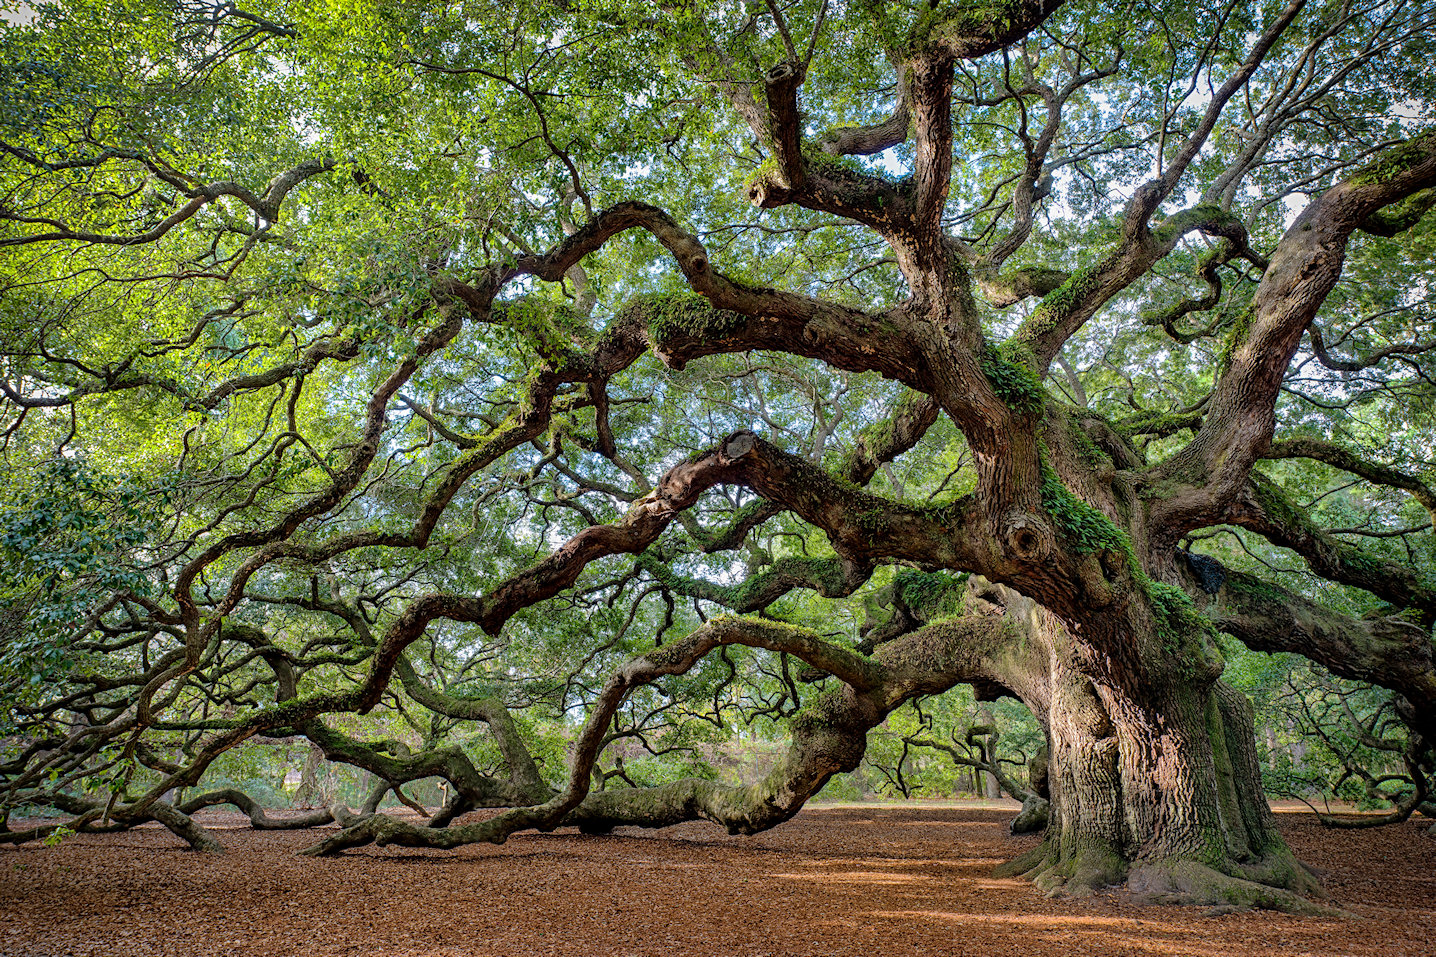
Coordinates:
x,y
1015,384
1084,526
68,537
57,836
686,315
209,386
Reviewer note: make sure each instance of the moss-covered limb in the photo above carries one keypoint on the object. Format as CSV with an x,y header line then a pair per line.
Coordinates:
x,y
1266,510
974,28
161,812
1401,215
1393,651
678,316
841,186
772,319
258,818
929,597
1161,424
1067,308
1014,285
856,670
913,599
828,736
1338,456
861,676
1063,310
523,771
1405,165
1303,270
722,315
863,527
1085,528
885,440
396,766
1011,372
1207,273
828,577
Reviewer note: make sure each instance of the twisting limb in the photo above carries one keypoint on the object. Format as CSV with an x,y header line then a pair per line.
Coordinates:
x,y
1340,457
258,818
827,739
266,205
1304,268
1266,510
1390,651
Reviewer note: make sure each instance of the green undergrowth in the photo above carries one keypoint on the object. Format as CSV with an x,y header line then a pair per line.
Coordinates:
x,y
680,315
931,596
1015,383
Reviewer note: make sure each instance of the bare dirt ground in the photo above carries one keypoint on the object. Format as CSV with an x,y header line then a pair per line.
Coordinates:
x,y
854,880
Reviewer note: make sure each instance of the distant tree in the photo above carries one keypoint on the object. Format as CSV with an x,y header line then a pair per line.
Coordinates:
x,y
460,364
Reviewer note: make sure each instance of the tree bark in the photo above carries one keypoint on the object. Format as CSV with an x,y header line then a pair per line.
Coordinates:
x,y
1153,776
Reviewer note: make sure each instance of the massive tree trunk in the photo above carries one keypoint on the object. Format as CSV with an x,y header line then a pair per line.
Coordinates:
x,y
1153,772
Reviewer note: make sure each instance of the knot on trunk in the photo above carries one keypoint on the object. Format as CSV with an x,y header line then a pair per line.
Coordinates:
x,y
785,74
766,192
1029,539
738,445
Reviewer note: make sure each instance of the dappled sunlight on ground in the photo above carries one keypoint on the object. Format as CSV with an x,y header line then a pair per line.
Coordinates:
x,y
863,881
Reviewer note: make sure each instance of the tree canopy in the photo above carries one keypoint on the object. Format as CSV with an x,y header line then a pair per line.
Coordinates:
x,y
505,392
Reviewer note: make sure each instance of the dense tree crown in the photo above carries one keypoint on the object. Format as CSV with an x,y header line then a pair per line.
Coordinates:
x,y
537,396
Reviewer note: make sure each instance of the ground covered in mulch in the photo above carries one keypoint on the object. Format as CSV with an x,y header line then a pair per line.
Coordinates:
x,y
858,880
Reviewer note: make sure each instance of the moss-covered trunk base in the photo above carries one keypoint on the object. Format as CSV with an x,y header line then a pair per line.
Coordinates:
x,y
1162,797
1278,882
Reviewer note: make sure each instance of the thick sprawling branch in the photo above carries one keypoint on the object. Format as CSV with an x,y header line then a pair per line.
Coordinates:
x,y
258,818
1342,458
1304,268
1266,510
883,441
828,577
1393,652
828,737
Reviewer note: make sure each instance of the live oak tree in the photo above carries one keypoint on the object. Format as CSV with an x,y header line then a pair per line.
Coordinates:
x,y
645,367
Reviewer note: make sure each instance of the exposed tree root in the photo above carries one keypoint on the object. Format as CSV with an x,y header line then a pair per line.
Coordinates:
x,y
1279,882
1191,882
257,815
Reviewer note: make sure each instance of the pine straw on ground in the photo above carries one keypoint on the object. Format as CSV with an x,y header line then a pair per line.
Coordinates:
x,y
866,881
